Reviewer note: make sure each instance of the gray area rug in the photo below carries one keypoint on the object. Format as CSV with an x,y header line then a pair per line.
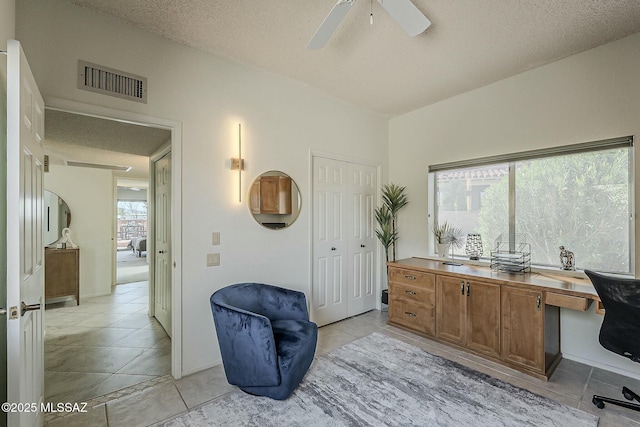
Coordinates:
x,y
378,380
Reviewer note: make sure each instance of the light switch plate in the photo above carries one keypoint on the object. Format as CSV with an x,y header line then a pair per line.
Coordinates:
x,y
213,260
215,238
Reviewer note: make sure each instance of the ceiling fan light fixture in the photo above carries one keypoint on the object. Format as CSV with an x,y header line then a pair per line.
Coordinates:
x,y
404,12
371,12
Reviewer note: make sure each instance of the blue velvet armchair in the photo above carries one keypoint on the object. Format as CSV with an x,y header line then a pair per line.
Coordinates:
x,y
266,339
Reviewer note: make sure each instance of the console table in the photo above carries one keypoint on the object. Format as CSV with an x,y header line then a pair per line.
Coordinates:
x,y
510,318
62,273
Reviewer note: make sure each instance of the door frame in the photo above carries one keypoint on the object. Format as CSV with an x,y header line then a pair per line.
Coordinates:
x,y
349,159
175,128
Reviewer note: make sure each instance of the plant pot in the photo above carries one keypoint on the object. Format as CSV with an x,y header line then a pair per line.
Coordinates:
x,y
385,296
443,249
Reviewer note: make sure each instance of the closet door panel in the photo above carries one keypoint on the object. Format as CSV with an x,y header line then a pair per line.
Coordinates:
x,y
329,286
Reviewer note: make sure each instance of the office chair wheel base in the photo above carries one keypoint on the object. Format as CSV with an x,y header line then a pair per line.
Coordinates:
x,y
629,394
599,403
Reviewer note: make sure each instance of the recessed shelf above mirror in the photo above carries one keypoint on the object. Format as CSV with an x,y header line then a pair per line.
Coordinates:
x,y
274,200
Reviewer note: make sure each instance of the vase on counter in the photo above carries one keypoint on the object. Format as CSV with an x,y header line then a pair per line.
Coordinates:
x,y
442,249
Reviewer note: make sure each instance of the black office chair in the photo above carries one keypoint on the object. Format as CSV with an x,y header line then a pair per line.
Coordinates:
x,y
620,330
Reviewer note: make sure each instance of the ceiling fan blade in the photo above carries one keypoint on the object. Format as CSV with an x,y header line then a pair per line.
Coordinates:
x,y
330,23
412,21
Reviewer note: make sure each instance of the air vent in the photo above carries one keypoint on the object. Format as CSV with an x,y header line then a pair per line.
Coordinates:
x,y
98,166
96,78
46,163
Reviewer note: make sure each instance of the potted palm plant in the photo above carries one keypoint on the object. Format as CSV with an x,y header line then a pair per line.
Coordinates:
x,y
446,236
394,198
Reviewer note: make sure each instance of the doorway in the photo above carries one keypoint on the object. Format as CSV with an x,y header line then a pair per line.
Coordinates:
x,y
132,225
127,309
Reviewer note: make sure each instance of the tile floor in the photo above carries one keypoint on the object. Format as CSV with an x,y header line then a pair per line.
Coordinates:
x,y
573,383
105,344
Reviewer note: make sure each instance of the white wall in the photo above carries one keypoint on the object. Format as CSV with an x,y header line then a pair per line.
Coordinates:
x,y
282,121
590,96
89,195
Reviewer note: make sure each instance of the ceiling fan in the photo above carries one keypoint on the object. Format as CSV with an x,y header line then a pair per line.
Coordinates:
x,y
412,21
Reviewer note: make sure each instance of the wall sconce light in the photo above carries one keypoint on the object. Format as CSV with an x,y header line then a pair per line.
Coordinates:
x,y
238,163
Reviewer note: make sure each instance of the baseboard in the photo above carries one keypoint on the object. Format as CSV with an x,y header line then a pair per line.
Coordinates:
x,y
215,363
595,364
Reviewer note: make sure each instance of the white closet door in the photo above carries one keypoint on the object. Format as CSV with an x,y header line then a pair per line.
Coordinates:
x,y
362,245
162,247
344,243
329,292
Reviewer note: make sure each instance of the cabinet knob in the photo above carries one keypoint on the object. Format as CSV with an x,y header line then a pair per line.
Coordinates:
x,y
410,314
333,249
362,246
468,290
538,302
408,277
462,287
411,292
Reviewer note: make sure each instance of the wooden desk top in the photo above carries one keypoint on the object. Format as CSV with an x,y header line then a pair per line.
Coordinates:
x,y
549,281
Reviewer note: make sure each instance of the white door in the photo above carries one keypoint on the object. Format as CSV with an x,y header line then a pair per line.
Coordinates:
x,y
162,245
329,292
25,248
344,245
361,192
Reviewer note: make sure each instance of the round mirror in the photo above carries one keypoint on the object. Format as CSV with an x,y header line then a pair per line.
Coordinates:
x,y
56,216
274,200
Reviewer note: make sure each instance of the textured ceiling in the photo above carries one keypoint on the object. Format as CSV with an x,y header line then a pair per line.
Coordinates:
x,y
74,137
469,44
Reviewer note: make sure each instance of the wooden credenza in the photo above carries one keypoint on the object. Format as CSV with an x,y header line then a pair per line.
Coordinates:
x,y
512,319
62,273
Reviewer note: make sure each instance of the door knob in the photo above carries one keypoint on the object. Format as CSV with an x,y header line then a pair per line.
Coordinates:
x,y
30,307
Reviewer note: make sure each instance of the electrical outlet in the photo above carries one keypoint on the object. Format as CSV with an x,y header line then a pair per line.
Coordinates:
x,y
215,238
213,260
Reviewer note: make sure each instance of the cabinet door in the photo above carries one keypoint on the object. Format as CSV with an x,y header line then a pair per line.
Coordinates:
x,y
450,309
523,328
254,197
284,195
275,195
483,317
269,195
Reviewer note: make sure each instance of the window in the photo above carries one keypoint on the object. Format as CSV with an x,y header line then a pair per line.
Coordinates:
x,y
579,196
132,219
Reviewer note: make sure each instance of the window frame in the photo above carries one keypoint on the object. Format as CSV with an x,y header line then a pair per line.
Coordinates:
x,y
513,158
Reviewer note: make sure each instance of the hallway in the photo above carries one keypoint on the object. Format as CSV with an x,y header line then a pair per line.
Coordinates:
x,y
105,344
